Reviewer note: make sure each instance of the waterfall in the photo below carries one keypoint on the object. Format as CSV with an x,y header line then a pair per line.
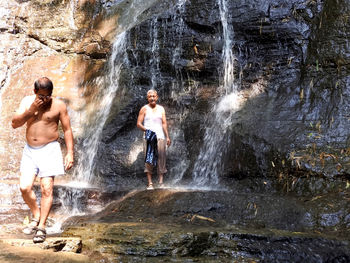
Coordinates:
x,y
178,32
73,4
228,57
180,8
157,44
131,13
155,54
103,102
208,164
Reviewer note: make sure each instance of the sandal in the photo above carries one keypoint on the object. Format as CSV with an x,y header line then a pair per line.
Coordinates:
x,y
161,186
31,227
40,235
150,187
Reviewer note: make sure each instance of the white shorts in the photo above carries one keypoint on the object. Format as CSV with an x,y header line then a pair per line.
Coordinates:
x,y
42,161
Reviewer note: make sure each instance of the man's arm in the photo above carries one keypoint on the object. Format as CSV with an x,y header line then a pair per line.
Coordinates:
x,y
25,111
165,128
68,137
141,118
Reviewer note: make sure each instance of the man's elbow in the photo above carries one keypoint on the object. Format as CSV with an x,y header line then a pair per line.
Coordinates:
x,y
14,124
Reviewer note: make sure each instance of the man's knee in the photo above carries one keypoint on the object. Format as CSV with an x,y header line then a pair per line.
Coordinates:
x,y
46,191
46,187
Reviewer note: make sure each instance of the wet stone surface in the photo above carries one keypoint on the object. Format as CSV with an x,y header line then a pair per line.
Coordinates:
x,y
23,254
180,225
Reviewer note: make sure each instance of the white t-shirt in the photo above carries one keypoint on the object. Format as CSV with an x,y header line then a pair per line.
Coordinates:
x,y
153,120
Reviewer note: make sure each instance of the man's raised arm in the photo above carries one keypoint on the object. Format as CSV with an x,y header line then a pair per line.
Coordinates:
x,y
24,113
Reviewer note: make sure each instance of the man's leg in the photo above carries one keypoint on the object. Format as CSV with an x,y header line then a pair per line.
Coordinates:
x,y
46,184
26,183
160,179
149,178
161,166
148,168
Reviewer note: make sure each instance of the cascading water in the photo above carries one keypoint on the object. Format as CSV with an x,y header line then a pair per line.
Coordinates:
x,y
155,54
83,175
207,166
73,4
180,8
178,31
177,84
93,131
131,14
71,197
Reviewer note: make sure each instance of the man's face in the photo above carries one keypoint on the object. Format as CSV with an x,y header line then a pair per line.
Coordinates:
x,y
44,95
152,98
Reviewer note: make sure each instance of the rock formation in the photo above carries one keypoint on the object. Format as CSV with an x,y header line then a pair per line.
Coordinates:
x,y
285,128
291,66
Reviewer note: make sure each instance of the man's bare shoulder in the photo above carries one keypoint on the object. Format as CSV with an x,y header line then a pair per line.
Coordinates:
x,y
59,103
143,109
160,107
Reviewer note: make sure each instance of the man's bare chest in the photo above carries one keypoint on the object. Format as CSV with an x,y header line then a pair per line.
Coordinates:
x,y
46,116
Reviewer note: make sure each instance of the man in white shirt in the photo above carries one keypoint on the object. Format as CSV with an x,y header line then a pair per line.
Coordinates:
x,y
152,117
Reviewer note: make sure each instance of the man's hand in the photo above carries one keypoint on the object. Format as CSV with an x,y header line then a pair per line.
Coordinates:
x,y
168,141
36,105
27,109
68,161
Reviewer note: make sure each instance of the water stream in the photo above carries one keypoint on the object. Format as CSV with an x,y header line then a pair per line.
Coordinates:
x,y
103,102
155,71
72,195
206,169
73,4
178,83
97,113
208,164
265,214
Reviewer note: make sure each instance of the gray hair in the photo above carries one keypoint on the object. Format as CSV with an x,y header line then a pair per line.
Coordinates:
x,y
152,90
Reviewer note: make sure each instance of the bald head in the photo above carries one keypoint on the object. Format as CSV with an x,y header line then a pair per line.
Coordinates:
x,y
43,83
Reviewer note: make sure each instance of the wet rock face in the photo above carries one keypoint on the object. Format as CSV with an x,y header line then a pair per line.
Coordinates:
x,y
159,243
327,213
292,71
209,225
56,39
294,86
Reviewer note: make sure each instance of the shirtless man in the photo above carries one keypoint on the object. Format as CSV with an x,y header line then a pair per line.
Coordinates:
x,y
152,117
42,154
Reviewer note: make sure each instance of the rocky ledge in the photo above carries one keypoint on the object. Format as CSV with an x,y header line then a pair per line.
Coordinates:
x,y
23,250
178,225
55,243
153,242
